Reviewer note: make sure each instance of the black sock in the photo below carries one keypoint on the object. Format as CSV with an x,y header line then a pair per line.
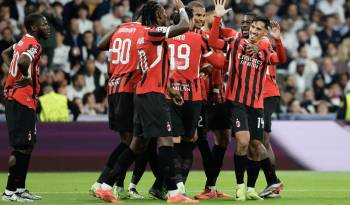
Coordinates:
x,y
121,178
207,160
139,169
121,166
166,162
154,164
218,158
178,161
23,169
253,168
153,157
111,161
187,159
240,163
269,171
14,173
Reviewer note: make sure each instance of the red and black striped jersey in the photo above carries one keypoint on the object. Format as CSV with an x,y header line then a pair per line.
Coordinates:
x,y
123,66
246,74
154,60
186,52
27,95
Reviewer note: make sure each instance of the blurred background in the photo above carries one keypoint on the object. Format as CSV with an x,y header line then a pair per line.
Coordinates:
x,y
316,34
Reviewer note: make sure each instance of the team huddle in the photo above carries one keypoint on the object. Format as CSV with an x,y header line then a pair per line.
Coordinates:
x,y
173,81
168,86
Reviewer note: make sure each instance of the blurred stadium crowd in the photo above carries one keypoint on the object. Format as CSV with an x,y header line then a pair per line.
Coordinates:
x,y
316,34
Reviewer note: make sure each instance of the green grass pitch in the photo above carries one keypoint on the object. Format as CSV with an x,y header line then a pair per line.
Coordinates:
x,y
301,188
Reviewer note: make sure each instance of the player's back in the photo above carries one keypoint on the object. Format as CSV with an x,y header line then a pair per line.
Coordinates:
x,y
29,46
154,61
123,49
185,52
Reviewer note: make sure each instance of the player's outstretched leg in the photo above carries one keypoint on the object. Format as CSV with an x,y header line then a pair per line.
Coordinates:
x,y
166,161
123,162
178,162
222,140
139,169
158,189
274,185
111,161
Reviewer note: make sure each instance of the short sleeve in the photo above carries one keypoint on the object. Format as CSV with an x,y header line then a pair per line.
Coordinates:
x,y
157,34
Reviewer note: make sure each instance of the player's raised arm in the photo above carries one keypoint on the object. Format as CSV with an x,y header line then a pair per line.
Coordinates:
x,y
183,25
280,56
214,40
7,55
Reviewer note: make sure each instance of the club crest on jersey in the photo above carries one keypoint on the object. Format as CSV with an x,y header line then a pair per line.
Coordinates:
x,y
33,51
168,126
238,123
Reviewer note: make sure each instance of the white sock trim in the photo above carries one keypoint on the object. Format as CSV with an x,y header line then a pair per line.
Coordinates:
x,y
212,188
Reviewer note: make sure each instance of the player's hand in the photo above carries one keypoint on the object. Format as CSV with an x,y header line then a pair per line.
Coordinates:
x,y
220,8
175,96
178,4
252,49
274,30
23,82
205,71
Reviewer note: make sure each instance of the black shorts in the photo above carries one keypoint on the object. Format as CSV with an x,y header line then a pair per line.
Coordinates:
x,y
218,117
20,121
184,118
121,112
270,106
244,118
202,128
152,116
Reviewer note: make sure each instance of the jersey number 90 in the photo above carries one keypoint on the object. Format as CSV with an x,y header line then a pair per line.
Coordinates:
x,y
121,51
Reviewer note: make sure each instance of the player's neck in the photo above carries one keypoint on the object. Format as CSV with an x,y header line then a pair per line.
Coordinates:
x,y
34,35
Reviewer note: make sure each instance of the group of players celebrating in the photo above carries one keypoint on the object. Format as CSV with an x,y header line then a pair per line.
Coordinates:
x,y
169,85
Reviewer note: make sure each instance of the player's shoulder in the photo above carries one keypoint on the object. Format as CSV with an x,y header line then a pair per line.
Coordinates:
x,y
264,43
29,44
28,39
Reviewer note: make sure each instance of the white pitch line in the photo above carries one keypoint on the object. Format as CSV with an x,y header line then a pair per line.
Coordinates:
x,y
229,190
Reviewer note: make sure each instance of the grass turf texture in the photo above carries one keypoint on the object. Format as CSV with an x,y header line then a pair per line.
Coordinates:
x,y
301,187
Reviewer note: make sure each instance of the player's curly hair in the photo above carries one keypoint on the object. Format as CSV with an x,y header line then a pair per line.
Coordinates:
x,y
148,13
